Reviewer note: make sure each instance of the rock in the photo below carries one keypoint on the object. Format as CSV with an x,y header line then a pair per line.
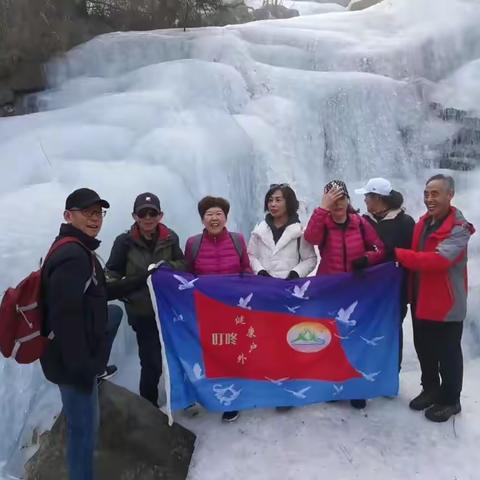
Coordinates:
x,y
274,11
362,4
135,443
231,14
6,95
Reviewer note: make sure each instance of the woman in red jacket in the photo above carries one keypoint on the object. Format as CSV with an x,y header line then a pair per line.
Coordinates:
x,y
217,251
346,241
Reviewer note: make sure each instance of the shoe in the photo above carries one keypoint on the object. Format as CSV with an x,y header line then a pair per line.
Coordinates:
x,y
441,413
192,410
424,400
230,416
359,404
283,409
110,371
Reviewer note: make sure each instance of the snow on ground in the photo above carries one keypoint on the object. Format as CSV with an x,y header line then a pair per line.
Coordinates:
x,y
228,111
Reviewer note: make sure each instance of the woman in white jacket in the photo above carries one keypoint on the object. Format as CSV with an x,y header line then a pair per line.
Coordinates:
x,y
277,247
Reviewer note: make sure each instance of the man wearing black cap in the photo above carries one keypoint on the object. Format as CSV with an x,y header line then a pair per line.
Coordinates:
x,y
147,242
75,309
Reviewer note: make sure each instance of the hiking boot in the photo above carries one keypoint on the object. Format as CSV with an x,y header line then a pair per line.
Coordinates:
x,y
424,400
283,409
230,416
358,404
110,371
441,413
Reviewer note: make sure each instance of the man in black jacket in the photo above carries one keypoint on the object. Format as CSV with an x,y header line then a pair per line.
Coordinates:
x,y
75,302
147,242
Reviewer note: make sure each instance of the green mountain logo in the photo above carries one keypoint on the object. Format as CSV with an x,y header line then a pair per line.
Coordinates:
x,y
307,337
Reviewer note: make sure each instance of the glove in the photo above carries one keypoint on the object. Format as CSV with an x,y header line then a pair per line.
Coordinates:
x,y
263,273
292,275
359,264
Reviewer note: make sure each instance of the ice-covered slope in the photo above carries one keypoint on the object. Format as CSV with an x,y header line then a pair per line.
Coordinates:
x,y
228,111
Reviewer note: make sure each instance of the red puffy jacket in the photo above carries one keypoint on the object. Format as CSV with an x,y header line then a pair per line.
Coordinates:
x,y
441,293
338,246
217,255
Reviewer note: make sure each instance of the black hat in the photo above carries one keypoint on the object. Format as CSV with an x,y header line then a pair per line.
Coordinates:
x,y
146,200
337,184
84,198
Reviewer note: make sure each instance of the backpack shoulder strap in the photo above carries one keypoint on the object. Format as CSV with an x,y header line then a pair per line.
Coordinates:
x,y
324,240
197,241
299,240
65,240
237,242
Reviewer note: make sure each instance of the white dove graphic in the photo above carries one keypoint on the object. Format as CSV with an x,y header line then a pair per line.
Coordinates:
x,y
184,283
337,389
243,302
278,381
300,393
193,374
292,309
346,337
370,376
300,292
177,317
373,341
197,372
343,316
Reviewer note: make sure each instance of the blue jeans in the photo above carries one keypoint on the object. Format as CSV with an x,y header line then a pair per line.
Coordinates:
x,y
83,419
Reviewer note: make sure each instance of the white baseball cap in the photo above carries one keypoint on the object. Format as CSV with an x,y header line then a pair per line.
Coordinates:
x,y
380,186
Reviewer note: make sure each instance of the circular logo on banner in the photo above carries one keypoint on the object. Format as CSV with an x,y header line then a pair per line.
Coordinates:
x,y
309,337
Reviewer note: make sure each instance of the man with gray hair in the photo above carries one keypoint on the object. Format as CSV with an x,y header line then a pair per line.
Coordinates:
x,y
438,262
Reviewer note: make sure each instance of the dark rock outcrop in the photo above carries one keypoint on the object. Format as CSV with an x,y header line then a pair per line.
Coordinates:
x,y
135,443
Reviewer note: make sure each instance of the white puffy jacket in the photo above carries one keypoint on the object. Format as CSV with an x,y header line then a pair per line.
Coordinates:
x,y
286,255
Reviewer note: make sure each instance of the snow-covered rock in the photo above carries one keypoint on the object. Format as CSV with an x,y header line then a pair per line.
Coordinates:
x,y
362,4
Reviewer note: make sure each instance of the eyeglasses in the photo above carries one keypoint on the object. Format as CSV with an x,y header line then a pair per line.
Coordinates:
x,y
90,213
148,212
279,185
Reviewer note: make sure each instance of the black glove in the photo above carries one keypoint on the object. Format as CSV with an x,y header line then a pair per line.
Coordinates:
x,y
359,264
292,275
263,273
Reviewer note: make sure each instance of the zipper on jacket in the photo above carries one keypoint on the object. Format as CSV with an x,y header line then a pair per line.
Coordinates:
x,y
344,252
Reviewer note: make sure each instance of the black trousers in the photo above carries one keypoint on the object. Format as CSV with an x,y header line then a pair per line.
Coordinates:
x,y
150,354
439,350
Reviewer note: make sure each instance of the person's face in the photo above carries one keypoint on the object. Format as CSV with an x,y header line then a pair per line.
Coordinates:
x,y
340,206
437,198
88,220
147,220
214,220
373,203
277,205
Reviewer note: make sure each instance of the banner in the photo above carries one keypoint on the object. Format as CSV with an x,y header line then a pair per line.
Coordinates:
x,y
234,342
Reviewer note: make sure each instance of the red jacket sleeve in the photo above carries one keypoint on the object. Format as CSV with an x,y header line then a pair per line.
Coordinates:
x,y
375,248
315,230
188,256
448,252
245,260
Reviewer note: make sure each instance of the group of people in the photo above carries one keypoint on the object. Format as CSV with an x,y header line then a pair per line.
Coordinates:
x,y
77,288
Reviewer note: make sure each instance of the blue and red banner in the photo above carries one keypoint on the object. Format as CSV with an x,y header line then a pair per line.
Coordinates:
x,y
235,342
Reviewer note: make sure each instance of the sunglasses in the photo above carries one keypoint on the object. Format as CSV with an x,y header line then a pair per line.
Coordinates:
x,y
148,212
279,185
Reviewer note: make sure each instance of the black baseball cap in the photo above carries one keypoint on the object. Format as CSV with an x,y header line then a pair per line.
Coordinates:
x,y
147,200
84,198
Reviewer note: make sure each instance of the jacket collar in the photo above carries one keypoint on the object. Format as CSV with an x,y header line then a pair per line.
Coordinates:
x,y
391,214
263,231
68,230
162,232
215,238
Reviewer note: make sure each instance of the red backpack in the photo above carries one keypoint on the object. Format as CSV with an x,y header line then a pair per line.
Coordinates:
x,y
21,314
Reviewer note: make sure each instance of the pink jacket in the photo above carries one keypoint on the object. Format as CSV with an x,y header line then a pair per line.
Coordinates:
x,y
339,247
217,255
